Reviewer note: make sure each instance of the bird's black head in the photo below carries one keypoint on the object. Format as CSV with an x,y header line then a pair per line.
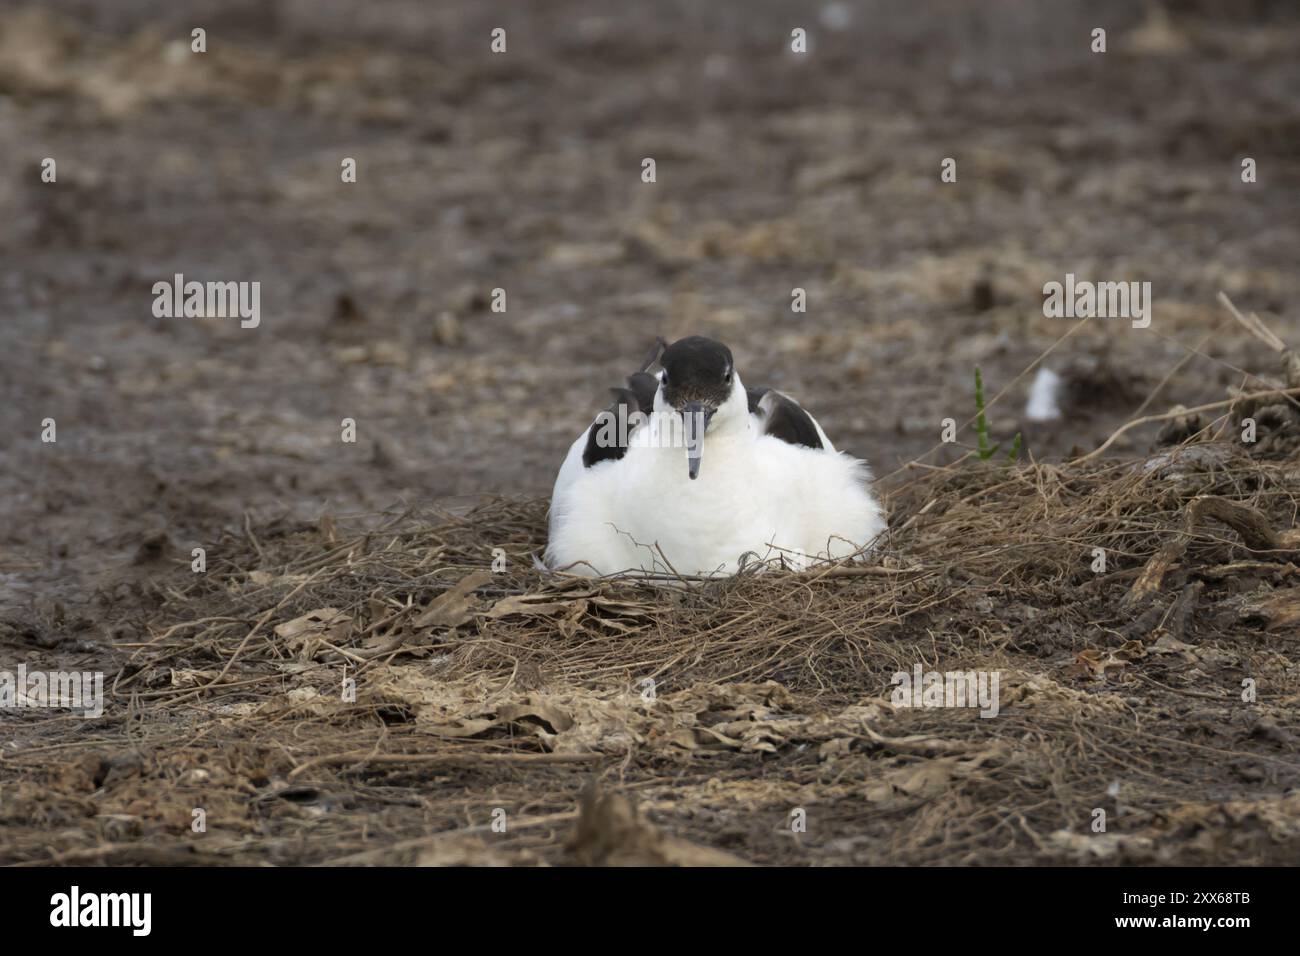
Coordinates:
x,y
698,377
697,371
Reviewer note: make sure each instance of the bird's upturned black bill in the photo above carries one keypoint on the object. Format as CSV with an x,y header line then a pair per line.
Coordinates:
x,y
695,419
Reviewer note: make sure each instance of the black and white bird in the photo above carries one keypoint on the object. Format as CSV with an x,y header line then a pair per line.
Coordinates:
x,y
689,471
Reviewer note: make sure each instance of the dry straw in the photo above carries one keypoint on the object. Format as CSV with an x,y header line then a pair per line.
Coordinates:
x,y
721,705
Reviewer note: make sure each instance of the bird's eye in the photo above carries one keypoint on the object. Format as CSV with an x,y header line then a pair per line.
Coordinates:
x,y
728,378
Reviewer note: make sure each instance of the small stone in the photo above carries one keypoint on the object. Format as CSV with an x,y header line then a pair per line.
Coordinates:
x,y
446,330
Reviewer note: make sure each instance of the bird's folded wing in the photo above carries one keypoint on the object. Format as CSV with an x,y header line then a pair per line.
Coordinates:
x,y
782,417
611,433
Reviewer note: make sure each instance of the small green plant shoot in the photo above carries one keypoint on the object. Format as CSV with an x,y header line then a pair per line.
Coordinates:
x,y
987,451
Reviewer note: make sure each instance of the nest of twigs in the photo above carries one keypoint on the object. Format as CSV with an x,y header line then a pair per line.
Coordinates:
x,y
372,689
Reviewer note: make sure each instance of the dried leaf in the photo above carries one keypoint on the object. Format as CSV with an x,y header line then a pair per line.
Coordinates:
x,y
321,621
527,605
305,634
453,607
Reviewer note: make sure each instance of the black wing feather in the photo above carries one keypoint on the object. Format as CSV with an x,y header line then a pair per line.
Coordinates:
x,y
638,396
783,418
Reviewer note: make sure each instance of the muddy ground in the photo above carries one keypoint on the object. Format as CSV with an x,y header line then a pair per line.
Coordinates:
x,y
522,172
